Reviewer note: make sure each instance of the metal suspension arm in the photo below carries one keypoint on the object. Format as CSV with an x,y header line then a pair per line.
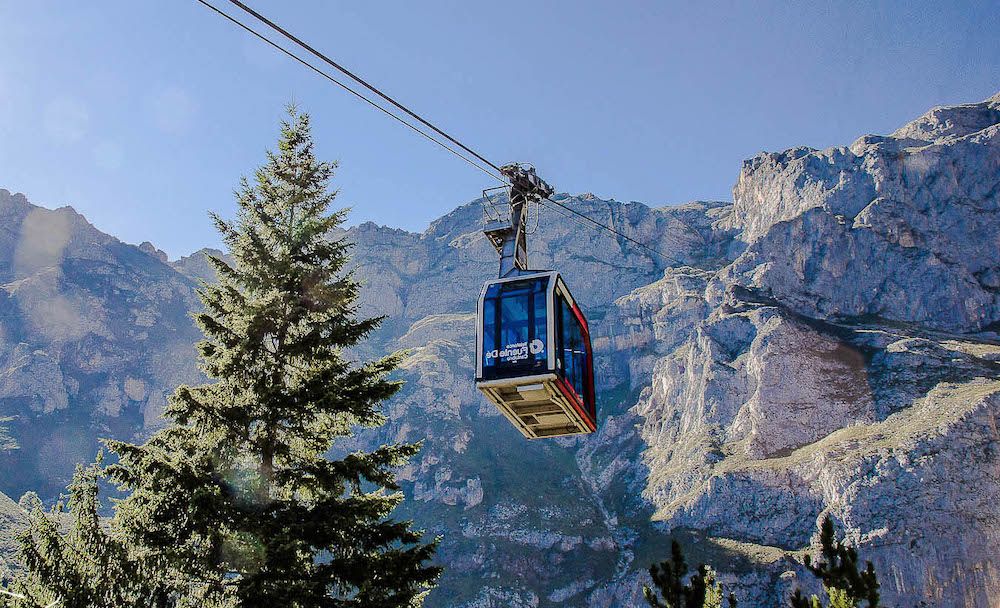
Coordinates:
x,y
510,238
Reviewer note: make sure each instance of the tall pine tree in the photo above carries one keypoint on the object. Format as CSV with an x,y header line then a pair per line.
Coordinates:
x,y
237,496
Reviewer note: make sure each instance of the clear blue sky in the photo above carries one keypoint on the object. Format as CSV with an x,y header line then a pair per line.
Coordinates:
x,y
142,114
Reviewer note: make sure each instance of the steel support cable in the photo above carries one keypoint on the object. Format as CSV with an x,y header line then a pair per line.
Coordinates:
x,y
599,226
357,79
590,223
570,217
355,93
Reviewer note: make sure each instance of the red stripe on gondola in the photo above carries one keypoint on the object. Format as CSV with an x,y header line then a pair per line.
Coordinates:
x,y
574,400
589,382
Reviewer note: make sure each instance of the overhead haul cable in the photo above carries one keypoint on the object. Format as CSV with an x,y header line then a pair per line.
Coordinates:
x,y
355,93
599,226
590,222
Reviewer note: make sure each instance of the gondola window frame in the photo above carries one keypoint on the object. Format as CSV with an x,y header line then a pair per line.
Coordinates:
x,y
491,304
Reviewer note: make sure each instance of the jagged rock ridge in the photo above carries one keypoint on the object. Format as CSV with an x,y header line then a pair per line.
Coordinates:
x,y
93,334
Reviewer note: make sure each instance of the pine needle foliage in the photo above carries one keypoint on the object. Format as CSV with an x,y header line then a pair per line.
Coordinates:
x,y
236,495
846,586
668,577
85,566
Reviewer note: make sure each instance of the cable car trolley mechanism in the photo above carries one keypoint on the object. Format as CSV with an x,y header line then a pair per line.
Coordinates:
x,y
534,359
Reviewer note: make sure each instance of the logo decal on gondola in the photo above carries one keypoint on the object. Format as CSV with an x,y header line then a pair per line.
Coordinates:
x,y
513,352
537,346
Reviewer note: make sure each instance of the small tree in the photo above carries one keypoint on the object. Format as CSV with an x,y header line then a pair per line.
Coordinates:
x,y
87,566
668,577
846,586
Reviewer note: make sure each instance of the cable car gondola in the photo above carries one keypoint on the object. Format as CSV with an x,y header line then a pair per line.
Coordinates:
x,y
534,358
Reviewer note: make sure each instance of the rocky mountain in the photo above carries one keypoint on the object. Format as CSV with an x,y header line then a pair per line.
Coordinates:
x,y
845,363
93,334
825,344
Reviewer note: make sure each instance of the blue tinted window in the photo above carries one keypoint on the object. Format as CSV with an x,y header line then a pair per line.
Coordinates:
x,y
567,340
514,327
489,331
539,343
572,353
514,310
578,357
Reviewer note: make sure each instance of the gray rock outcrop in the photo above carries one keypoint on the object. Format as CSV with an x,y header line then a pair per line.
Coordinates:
x,y
93,333
846,363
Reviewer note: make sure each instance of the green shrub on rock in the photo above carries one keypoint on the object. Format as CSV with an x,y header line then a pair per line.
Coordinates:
x,y
845,584
700,592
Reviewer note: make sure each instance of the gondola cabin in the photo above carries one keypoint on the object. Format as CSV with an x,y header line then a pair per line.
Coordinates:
x,y
534,357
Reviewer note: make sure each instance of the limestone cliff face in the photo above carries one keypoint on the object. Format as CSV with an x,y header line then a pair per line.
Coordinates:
x,y
902,227
523,523
93,334
828,348
844,364
824,344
